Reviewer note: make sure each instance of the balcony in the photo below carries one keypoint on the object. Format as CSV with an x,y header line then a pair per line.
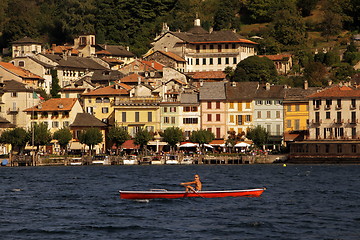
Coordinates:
x,y
327,107
338,107
315,122
353,121
316,107
338,121
13,110
137,101
352,107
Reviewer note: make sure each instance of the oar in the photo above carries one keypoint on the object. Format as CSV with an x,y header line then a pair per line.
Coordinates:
x,y
193,190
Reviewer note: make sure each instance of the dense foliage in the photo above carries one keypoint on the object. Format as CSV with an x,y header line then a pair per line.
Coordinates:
x,y
63,136
136,22
91,137
258,135
172,135
16,137
39,135
142,137
118,135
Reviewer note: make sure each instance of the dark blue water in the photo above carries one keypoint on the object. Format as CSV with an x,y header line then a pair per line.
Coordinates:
x,y
301,202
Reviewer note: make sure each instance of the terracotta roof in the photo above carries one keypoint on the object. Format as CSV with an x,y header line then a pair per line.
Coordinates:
x,y
209,75
279,57
103,52
173,56
129,144
87,120
61,49
336,92
116,89
132,78
112,60
54,104
154,64
25,74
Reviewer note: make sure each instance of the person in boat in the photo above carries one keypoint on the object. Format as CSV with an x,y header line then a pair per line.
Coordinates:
x,y
197,184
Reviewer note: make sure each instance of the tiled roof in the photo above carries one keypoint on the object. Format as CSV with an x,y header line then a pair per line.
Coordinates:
x,y
173,56
25,40
15,86
132,78
274,92
116,89
236,91
75,62
278,57
189,98
154,64
116,50
212,91
41,63
61,49
54,104
129,144
336,92
209,75
25,74
106,75
112,60
196,35
6,124
299,94
87,120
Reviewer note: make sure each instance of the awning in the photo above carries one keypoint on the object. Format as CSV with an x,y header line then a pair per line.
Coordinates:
x,y
76,146
242,144
195,145
129,144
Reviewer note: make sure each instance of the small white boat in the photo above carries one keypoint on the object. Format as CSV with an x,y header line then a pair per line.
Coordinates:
x,y
131,160
75,162
100,160
157,160
187,160
172,159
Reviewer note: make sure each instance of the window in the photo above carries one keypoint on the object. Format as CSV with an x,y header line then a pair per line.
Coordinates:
x,y
165,109
211,46
194,109
353,117
219,61
172,120
209,117
204,61
353,103
258,102
234,60
353,148
21,63
197,61
211,61
198,48
149,116
338,117
106,100
268,114
268,102
172,109
105,110
90,110
297,124
190,120
338,105
137,116
208,105
248,118
233,46
297,108
227,60
98,100
258,114
218,117
218,132
288,123
55,124
231,105
123,116
219,48
239,118
166,119
277,114
328,115
186,109
289,108
14,94
353,132
217,105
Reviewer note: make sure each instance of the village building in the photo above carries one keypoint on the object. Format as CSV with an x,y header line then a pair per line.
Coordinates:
x,y
190,113
203,50
213,108
115,54
77,88
15,98
25,47
168,59
283,62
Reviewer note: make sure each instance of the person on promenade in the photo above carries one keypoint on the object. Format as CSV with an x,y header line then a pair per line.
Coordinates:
x,y
196,182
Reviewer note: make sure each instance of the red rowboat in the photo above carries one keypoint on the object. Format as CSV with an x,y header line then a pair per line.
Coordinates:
x,y
162,193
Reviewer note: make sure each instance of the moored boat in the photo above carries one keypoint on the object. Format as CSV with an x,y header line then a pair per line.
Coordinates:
x,y
131,160
162,193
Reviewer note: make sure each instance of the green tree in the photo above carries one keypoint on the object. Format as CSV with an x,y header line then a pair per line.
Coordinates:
x,y
315,73
173,135
55,87
63,136
306,6
118,135
142,137
91,137
258,135
202,137
16,137
255,69
342,72
331,58
39,135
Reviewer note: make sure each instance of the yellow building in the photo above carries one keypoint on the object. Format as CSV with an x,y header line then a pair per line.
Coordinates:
x,y
296,111
240,106
100,102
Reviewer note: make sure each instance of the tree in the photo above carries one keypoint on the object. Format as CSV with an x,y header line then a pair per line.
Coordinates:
x,y
55,87
142,137
39,135
91,137
306,6
118,135
342,72
255,69
17,138
258,135
202,137
63,136
173,135
315,73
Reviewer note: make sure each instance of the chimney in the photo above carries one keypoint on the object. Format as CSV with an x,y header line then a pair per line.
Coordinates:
x,y
139,80
152,64
197,22
306,84
211,30
166,49
267,86
201,83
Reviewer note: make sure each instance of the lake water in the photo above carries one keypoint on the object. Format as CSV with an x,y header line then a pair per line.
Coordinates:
x,y
301,202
